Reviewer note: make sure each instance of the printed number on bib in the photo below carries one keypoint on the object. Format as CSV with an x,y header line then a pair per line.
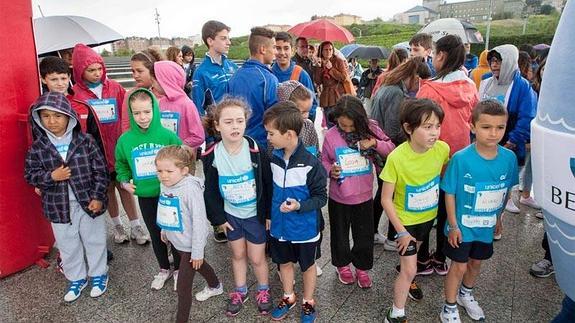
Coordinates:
x,y
489,197
352,162
144,165
239,190
105,109
169,214
170,120
423,197
479,221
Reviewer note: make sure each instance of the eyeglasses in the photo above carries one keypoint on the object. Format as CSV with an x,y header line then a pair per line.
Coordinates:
x,y
494,60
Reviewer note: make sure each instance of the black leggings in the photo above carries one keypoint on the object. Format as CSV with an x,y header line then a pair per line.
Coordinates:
x,y
377,212
149,209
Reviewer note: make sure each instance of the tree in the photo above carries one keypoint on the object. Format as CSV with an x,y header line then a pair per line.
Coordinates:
x,y
105,53
547,9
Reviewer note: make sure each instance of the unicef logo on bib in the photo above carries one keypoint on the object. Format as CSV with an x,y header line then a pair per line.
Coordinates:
x,y
423,197
239,190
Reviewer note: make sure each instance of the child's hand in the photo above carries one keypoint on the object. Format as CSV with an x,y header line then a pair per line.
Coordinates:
x,y
61,173
335,171
95,206
164,237
289,205
129,187
225,227
268,224
197,263
37,191
367,143
454,237
403,243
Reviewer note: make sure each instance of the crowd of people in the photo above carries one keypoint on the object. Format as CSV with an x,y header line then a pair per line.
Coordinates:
x,y
444,135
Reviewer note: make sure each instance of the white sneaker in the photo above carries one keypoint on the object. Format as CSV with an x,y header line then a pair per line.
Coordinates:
x,y
471,306
160,279
379,238
208,292
175,275
511,207
389,245
449,316
539,215
137,233
318,271
530,202
75,289
497,237
120,235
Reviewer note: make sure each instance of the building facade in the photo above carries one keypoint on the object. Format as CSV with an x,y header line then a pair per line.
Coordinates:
x,y
476,10
346,20
417,15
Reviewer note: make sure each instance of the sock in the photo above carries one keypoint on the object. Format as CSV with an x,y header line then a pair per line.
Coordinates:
x,y
263,287
397,312
289,296
134,223
450,306
116,221
242,289
464,290
310,302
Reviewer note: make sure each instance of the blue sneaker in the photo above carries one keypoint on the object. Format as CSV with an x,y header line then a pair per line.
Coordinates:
x,y
308,313
99,285
75,289
281,311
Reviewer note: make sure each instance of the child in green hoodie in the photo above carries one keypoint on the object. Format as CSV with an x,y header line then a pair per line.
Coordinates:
x,y
136,151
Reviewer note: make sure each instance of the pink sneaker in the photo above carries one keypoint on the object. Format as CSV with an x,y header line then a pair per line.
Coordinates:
x,y
345,275
363,279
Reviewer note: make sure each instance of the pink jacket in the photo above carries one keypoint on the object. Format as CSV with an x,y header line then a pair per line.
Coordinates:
x,y
172,79
353,189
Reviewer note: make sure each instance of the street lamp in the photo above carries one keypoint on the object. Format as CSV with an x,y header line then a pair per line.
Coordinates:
x,y
488,25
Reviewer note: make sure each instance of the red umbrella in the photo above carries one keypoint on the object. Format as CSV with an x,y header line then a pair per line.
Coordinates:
x,y
322,29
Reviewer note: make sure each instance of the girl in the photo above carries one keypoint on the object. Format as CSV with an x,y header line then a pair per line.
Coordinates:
x,y
410,191
175,55
238,198
397,57
188,230
350,150
457,95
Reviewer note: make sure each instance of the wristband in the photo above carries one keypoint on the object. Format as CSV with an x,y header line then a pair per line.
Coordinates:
x,y
450,228
401,234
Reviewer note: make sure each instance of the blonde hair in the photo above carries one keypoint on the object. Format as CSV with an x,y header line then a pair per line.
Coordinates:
x,y
182,156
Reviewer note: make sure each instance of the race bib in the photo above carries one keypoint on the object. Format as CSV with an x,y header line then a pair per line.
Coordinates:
x,y
239,190
169,215
170,120
489,197
144,165
105,109
422,198
352,162
479,221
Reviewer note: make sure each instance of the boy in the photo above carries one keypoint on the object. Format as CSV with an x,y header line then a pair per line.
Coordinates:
x,y
255,82
421,45
70,171
106,97
299,194
477,185
285,69
210,80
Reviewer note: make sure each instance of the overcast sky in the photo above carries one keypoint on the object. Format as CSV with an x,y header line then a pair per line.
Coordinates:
x,y
185,18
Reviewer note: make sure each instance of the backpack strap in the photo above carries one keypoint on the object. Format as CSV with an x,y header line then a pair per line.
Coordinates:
x,y
295,73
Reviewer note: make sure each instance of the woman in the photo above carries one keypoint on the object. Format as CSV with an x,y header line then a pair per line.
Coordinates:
x,y
396,58
174,54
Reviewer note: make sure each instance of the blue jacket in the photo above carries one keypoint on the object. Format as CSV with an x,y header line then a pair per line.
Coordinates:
x,y
255,83
210,82
304,78
305,180
471,62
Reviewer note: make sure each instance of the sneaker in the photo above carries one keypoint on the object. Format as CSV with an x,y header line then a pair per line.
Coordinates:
x,y
415,293
99,285
263,301
530,202
379,238
208,292
440,267
120,235
281,311
497,237
137,233
175,275
345,275
389,245
236,303
542,269
471,307
318,270
75,289
219,235
109,255
424,269
539,215
511,207
308,313
448,315
363,279
160,279
389,319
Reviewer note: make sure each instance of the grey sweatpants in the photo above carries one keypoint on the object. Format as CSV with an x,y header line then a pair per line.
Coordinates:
x,y
83,235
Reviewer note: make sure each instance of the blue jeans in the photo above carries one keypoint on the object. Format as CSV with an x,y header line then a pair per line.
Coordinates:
x,y
567,313
527,173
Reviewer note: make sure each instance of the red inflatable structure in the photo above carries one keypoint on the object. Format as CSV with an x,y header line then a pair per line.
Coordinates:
x,y
25,235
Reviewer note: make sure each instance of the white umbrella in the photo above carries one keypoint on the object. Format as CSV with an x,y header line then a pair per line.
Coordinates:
x,y
451,26
60,32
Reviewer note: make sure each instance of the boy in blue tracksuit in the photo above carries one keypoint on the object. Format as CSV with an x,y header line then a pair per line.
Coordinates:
x,y
255,83
299,192
210,80
285,69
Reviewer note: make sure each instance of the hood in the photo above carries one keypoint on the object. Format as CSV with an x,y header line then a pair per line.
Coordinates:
x,y
171,77
483,59
56,102
82,57
183,185
509,56
156,122
453,88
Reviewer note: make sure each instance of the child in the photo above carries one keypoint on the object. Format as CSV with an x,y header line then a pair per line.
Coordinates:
x,y
298,196
420,45
350,151
237,196
135,153
106,97
477,183
411,190
179,113
182,217
69,169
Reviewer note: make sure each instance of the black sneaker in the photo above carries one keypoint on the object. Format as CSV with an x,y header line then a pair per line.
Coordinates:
x,y
219,235
389,319
415,293
422,269
109,255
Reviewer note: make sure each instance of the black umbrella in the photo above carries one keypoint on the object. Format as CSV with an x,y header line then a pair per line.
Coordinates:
x,y
368,52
